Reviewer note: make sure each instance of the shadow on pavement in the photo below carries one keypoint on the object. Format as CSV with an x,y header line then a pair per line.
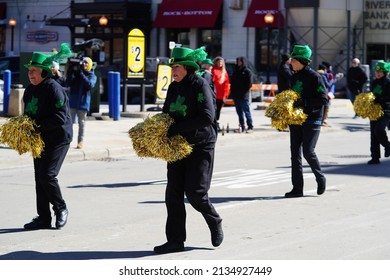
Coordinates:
x,y
359,169
87,255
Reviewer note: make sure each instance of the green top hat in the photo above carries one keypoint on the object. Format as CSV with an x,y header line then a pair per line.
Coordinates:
x,y
44,61
186,56
207,61
40,60
301,52
382,66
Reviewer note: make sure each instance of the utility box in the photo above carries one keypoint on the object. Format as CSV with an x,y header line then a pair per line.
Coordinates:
x,y
15,106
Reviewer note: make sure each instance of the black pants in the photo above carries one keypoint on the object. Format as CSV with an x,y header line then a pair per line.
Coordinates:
x,y
191,177
379,136
303,139
46,184
219,103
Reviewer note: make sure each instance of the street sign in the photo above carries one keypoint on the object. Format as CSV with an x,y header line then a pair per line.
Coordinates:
x,y
164,78
136,54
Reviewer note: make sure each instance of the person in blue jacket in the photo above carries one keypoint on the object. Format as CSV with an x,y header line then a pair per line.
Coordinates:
x,y
303,138
190,102
80,82
47,104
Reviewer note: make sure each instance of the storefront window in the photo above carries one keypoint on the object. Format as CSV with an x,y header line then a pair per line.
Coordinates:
x,y
275,48
211,39
377,51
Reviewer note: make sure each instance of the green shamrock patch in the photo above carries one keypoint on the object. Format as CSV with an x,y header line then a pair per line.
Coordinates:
x,y
201,97
32,107
377,90
298,87
59,104
178,107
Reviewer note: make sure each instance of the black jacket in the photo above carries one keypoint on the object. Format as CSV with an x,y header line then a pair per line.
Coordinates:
x,y
356,78
190,103
48,105
381,90
284,76
310,86
241,81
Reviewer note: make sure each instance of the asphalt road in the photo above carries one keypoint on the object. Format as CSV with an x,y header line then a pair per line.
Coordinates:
x,y
117,209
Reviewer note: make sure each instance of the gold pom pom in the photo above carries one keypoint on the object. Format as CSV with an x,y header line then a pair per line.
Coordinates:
x,y
21,135
150,139
282,112
365,106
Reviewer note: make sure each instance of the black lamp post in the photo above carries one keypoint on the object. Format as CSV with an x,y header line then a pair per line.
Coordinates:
x,y
269,19
12,23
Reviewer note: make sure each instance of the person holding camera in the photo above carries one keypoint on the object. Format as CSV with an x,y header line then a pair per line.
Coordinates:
x,y
80,81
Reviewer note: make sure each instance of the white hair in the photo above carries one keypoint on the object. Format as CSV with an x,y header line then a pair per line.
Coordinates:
x,y
56,65
356,60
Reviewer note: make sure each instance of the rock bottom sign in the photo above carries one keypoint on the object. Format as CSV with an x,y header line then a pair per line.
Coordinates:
x,y
42,36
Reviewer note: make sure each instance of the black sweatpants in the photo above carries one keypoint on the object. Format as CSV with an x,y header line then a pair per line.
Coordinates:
x,y
303,139
191,177
379,136
46,184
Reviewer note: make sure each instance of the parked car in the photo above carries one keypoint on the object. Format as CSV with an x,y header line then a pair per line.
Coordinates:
x,y
11,63
256,93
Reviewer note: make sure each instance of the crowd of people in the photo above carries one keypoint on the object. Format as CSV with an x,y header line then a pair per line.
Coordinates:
x,y
194,101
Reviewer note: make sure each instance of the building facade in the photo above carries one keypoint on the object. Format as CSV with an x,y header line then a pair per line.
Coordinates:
x,y
336,30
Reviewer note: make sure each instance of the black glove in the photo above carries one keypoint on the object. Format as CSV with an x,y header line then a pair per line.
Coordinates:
x,y
298,103
172,130
377,100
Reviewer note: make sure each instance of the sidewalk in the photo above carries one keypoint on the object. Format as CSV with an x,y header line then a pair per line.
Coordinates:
x,y
106,138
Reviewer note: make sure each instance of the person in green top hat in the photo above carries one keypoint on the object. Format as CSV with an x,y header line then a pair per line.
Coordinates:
x,y
380,87
309,85
190,103
206,67
47,104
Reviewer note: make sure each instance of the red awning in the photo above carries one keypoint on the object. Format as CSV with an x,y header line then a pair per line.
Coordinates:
x,y
188,13
258,9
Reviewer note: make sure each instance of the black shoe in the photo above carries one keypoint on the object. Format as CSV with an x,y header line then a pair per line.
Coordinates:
x,y
61,218
293,193
321,186
387,152
169,247
374,161
38,223
216,235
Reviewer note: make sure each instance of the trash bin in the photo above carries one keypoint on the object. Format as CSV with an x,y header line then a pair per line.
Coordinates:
x,y
15,107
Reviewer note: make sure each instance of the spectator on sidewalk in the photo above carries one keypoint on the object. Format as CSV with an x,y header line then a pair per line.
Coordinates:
x,y
206,72
80,81
190,103
303,138
57,75
356,78
328,85
221,83
47,104
241,83
381,89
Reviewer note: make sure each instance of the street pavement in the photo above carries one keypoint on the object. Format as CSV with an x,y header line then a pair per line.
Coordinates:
x,y
117,208
108,138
